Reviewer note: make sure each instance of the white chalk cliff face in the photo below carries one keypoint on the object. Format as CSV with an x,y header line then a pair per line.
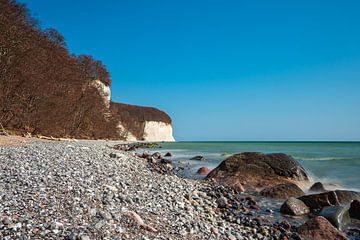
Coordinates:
x,y
158,131
154,131
104,91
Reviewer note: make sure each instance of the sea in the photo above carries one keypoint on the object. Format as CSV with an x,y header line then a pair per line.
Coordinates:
x,y
336,164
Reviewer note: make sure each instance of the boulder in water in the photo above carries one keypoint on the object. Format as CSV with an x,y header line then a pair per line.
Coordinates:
x,y
282,191
320,200
156,155
355,209
346,197
320,229
294,207
338,216
168,154
258,170
317,187
198,158
203,171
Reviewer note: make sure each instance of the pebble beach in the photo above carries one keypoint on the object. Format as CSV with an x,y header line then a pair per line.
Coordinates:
x,y
89,190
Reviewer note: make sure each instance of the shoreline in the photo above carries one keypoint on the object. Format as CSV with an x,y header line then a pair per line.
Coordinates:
x,y
88,190
86,194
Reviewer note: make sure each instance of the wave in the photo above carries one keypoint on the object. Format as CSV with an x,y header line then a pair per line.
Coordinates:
x,y
323,158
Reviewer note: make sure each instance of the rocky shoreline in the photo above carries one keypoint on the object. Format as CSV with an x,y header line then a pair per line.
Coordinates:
x,y
89,190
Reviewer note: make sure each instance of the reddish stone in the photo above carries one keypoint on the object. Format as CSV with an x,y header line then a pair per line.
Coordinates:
x,y
282,191
258,171
156,155
203,171
320,229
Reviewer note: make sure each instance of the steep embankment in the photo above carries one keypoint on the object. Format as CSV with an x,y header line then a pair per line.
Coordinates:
x,y
46,90
143,123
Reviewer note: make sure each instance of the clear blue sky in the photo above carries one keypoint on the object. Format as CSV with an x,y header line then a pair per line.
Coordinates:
x,y
226,70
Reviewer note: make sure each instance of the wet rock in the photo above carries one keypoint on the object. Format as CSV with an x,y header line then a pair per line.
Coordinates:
x,y
198,158
320,200
317,187
165,161
338,216
282,191
145,154
203,170
156,155
354,210
346,197
257,170
295,207
320,229
168,154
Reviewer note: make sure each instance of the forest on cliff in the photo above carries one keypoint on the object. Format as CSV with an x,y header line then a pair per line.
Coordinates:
x,y
44,89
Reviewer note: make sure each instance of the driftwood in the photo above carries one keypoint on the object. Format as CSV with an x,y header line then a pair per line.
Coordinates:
x,y
51,138
3,131
138,221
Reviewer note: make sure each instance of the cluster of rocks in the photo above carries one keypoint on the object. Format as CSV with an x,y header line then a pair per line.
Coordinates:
x,y
337,207
135,145
278,176
158,163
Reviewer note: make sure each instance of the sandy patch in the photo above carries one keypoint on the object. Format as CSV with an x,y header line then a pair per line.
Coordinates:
x,y
6,141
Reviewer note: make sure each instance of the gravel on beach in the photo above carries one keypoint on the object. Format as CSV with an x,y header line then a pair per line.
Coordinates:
x,y
88,190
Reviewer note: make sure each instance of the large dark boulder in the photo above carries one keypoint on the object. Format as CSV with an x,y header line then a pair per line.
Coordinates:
x,y
320,200
355,209
338,216
257,170
346,197
317,187
331,198
282,191
294,207
320,229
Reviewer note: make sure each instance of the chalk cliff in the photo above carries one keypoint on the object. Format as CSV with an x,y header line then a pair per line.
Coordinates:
x,y
142,123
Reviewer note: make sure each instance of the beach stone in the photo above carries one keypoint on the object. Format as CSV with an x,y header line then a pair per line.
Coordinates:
x,y
317,187
294,207
319,228
100,224
145,154
282,191
346,196
222,202
165,161
258,170
115,155
168,154
203,171
320,200
338,216
105,215
156,155
354,210
198,158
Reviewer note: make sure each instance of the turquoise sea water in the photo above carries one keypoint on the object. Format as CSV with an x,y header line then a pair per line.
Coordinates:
x,y
330,162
